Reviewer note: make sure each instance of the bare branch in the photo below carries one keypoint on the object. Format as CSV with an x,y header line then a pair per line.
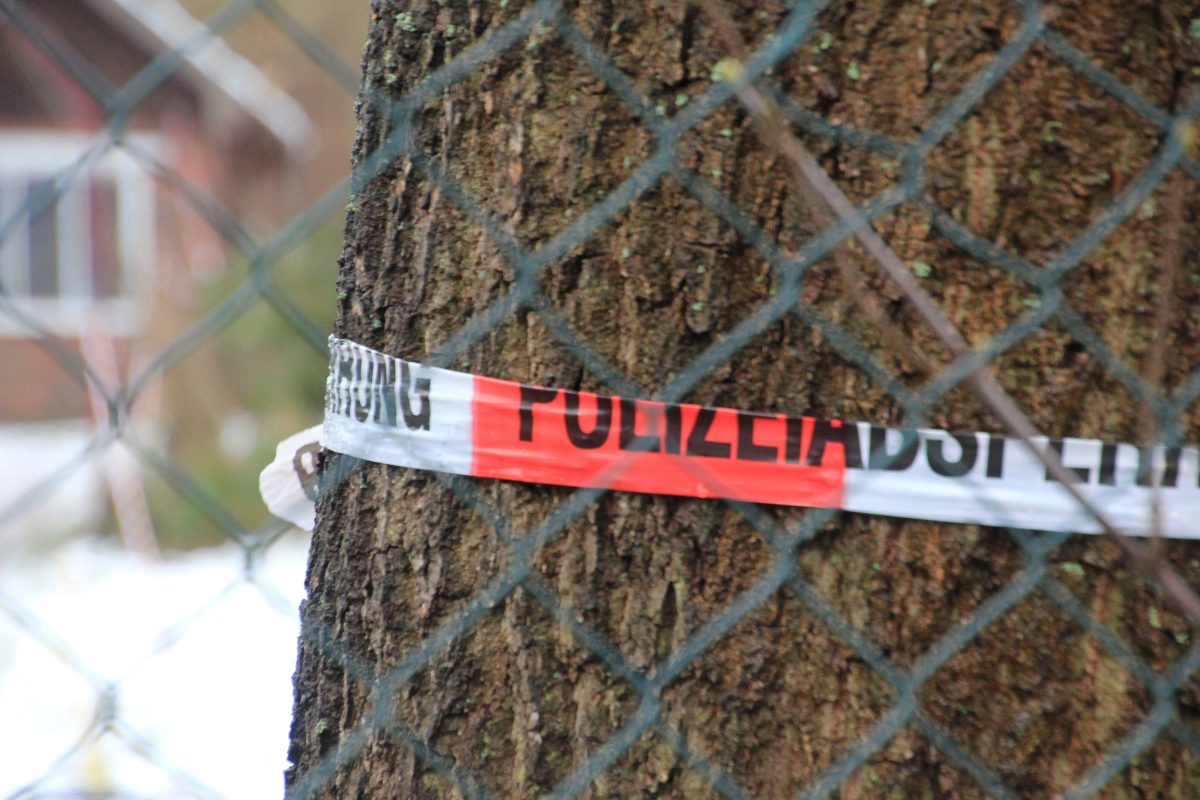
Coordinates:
x,y
820,191
1164,315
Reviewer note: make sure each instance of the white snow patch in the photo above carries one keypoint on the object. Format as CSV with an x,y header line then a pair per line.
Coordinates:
x,y
197,657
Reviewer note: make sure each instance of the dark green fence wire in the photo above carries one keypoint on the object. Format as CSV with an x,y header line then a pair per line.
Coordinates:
x,y
1163,718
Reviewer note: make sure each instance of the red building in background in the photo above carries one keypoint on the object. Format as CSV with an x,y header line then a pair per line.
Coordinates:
x,y
95,232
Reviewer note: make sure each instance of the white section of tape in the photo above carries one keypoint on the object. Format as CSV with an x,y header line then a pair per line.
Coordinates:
x,y
389,411
1022,496
288,484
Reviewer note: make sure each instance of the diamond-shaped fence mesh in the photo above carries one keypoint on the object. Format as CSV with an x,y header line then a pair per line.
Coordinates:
x,y
140,364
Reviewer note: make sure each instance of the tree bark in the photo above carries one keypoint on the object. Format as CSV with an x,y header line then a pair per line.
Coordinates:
x,y
517,702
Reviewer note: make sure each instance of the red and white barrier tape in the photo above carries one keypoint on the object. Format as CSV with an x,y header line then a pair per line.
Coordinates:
x,y
391,411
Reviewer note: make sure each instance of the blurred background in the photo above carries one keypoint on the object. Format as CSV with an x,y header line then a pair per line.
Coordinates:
x,y
172,196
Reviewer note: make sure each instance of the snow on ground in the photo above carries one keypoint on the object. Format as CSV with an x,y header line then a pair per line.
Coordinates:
x,y
191,661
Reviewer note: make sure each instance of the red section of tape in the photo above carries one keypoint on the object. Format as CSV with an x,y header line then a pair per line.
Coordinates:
x,y
555,436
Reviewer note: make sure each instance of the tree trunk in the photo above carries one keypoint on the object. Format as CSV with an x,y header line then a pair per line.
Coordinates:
x,y
517,702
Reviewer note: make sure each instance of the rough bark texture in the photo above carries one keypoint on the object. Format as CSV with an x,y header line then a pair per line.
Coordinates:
x,y
538,139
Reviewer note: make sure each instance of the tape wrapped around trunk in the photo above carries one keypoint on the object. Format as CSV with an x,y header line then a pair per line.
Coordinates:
x,y
391,411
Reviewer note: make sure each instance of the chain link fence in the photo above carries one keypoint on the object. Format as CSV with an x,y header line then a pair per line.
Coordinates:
x,y
747,81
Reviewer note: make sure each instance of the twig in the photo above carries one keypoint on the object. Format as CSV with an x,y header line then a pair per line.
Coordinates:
x,y
773,130
1164,315
820,190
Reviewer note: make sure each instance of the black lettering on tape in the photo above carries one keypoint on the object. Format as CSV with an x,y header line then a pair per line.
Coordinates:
x,y
345,380
1108,465
968,442
902,459
674,429
835,432
697,442
995,456
628,438
359,391
795,434
1170,475
747,448
388,393
1082,474
1171,470
415,420
529,396
598,435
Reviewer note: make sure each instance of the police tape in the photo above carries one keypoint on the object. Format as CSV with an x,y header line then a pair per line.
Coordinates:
x,y
387,410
